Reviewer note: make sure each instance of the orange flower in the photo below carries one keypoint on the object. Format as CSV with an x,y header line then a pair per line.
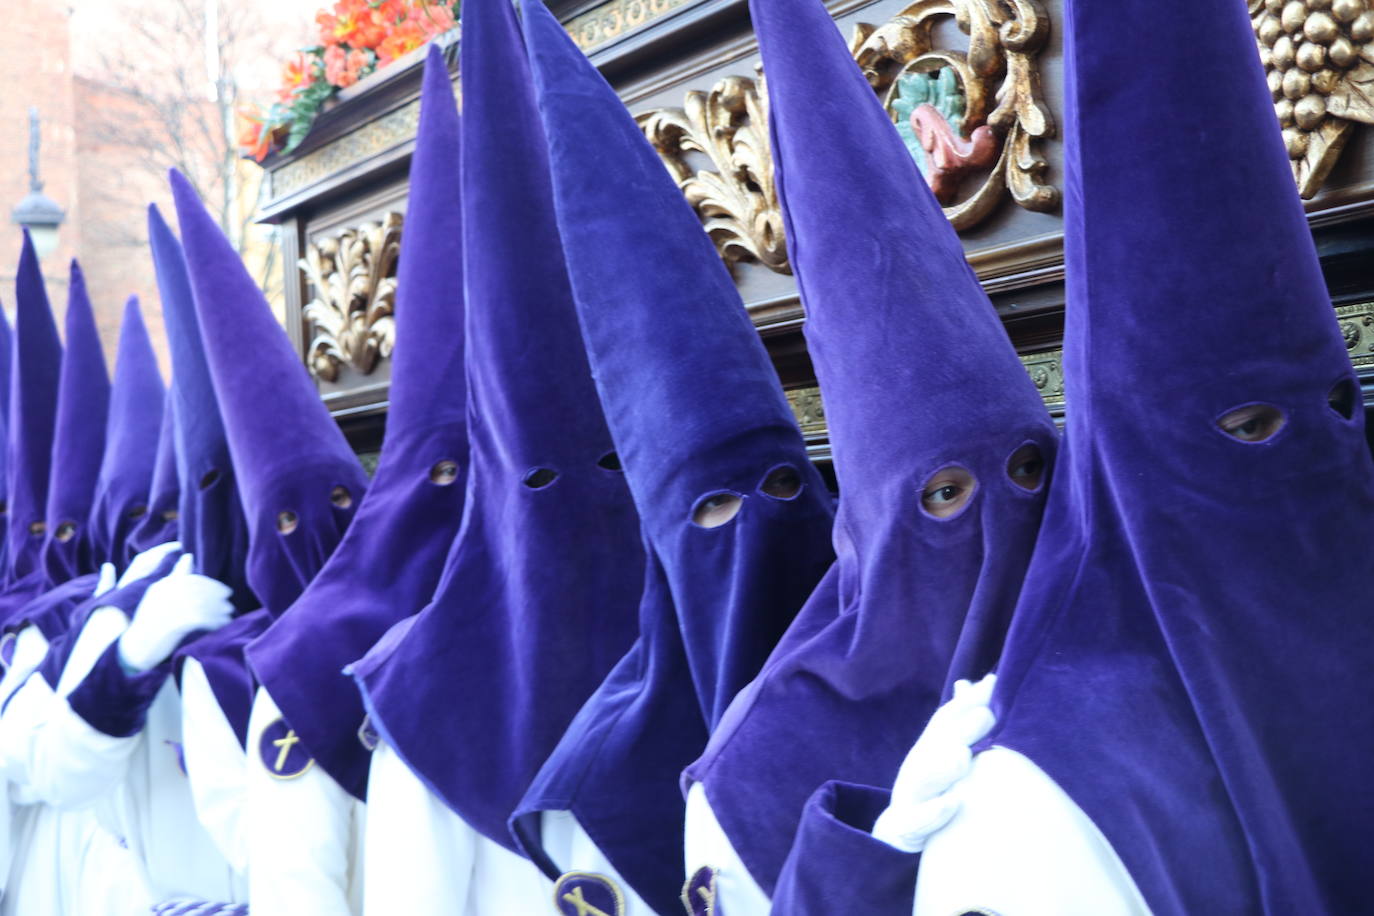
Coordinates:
x,y
254,139
296,76
405,38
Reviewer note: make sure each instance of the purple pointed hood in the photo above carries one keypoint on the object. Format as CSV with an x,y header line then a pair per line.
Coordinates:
x,y
299,482
210,520
131,443
735,518
389,562
549,553
940,499
78,448
1199,574
36,372
158,524
6,368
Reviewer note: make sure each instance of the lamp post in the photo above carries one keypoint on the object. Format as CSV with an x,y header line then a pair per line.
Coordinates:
x,y
38,212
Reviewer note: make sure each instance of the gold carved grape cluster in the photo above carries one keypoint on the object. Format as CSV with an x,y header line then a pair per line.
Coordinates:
x,y
1317,55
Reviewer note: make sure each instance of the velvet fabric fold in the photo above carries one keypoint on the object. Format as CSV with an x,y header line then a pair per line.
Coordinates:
x,y
735,519
538,595
1196,621
388,563
941,446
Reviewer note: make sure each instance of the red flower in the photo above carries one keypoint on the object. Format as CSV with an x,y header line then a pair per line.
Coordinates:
x,y
432,18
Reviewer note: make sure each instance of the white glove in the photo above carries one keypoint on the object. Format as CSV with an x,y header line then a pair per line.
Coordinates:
x,y
172,609
147,562
921,799
106,580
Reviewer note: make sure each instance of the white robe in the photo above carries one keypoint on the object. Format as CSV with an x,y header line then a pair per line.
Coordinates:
x,y
422,858
304,836
1018,846
134,784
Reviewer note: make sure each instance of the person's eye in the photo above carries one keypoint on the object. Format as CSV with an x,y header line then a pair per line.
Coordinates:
x,y
947,492
1026,467
1255,423
717,509
782,483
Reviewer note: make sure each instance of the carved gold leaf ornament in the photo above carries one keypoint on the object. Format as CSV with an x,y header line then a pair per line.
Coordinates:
x,y
999,82
1001,113
352,277
737,202
1318,56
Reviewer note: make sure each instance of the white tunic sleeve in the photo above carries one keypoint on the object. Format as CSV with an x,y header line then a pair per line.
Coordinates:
x,y
423,859
1020,846
55,756
706,845
301,835
30,648
215,766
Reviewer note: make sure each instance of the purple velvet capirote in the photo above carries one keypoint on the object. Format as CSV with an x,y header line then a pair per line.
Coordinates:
x,y
699,418
1195,631
917,375
78,447
159,523
125,474
210,520
6,367
538,596
298,480
35,372
387,565
132,438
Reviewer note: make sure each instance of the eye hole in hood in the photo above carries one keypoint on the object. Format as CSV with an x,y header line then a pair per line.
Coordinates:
x,y
947,492
1252,423
716,509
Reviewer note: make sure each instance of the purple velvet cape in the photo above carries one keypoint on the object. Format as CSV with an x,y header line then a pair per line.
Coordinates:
x,y
298,480
7,343
78,447
538,595
387,565
36,369
210,522
159,524
895,316
132,439
1195,631
696,411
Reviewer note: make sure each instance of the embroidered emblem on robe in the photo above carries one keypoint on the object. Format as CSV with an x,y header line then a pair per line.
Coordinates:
x,y
367,735
699,893
580,893
282,752
7,643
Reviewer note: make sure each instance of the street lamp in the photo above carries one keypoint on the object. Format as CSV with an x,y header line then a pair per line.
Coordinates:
x,y
38,212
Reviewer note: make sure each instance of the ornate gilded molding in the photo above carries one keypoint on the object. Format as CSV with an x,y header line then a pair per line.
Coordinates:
x,y
1357,326
737,202
1319,59
352,278
611,20
1047,373
807,408
970,118
390,130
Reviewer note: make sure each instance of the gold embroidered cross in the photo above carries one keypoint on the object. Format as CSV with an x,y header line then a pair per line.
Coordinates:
x,y
583,907
285,744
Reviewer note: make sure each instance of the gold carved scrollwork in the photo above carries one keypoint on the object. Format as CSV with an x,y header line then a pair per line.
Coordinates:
x,y
353,284
736,202
1318,56
1357,326
997,85
998,80
1046,371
